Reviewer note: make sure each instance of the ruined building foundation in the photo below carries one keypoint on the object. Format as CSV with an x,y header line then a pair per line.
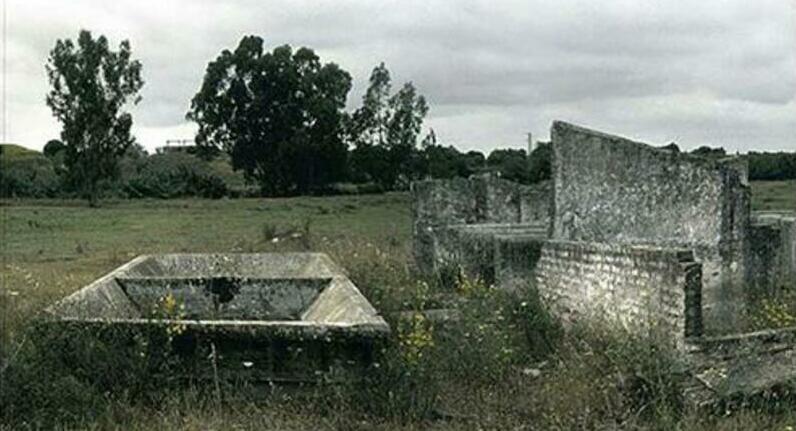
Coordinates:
x,y
633,234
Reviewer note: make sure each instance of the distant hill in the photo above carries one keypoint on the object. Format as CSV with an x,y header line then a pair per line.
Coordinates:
x,y
14,151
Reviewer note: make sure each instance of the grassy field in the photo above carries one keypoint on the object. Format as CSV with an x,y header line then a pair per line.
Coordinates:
x,y
12,151
505,368
774,195
62,246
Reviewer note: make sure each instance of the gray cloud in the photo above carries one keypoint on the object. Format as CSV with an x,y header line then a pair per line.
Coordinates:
x,y
718,71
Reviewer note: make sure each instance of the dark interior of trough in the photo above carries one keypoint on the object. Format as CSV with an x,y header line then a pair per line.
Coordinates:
x,y
222,297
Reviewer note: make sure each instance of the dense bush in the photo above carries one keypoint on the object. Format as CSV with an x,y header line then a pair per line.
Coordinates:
x,y
175,174
511,164
29,176
772,166
540,162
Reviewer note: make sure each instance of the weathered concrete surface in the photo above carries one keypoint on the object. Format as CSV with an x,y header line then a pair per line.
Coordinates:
x,y
613,190
471,248
289,316
484,199
639,287
289,289
771,263
516,256
227,298
737,367
536,203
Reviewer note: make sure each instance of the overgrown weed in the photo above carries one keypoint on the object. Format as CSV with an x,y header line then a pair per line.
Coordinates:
x,y
503,363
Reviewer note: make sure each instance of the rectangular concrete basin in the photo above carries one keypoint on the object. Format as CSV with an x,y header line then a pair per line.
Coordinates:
x,y
263,306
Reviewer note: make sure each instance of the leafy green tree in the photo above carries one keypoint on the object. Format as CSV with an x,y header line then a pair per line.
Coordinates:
x,y
278,114
53,147
772,166
172,175
706,151
369,123
367,130
91,86
475,161
511,164
445,162
403,130
540,163
385,130
55,150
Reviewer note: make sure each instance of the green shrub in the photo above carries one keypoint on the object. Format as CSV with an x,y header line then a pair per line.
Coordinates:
x,y
604,375
66,373
31,176
772,308
496,332
175,174
404,382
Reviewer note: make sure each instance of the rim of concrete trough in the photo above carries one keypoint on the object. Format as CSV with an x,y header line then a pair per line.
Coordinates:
x,y
338,311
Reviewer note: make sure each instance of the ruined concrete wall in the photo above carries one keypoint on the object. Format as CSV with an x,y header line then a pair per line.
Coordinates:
x,y
483,199
472,248
636,286
614,190
496,200
436,204
771,262
536,203
516,257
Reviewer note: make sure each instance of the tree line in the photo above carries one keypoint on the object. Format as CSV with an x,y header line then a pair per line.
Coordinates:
x,y
763,166
277,118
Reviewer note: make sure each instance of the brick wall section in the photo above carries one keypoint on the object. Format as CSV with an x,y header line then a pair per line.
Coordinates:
x,y
636,286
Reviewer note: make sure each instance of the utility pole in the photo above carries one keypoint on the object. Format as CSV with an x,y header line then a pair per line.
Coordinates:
x,y
531,143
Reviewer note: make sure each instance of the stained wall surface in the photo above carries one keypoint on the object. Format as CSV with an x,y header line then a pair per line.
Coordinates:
x,y
637,286
771,263
472,248
608,189
479,200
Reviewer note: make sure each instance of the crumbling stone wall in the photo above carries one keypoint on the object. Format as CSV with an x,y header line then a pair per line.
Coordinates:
x,y
771,263
436,204
516,256
536,203
635,285
479,200
472,248
613,190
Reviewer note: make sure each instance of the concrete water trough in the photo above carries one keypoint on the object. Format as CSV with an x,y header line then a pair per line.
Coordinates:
x,y
274,316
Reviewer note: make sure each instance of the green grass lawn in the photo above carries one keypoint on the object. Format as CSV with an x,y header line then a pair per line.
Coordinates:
x,y
774,195
52,248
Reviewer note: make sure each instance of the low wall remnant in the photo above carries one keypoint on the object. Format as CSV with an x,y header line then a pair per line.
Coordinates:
x,y
637,286
771,263
482,200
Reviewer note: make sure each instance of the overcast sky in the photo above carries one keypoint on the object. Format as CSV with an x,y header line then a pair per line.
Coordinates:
x,y
694,72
